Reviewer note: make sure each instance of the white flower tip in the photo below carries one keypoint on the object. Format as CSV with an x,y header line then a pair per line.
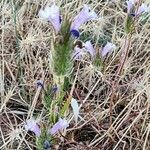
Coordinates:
x,y
51,14
75,107
44,13
90,12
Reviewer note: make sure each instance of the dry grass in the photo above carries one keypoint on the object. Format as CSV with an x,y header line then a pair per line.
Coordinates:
x,y
24,58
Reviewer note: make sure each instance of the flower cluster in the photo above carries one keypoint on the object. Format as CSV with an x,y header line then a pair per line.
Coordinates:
x,y
52,14
32,125
91,50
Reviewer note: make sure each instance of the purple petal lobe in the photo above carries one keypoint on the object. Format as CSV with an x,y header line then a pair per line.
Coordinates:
x,y
107,48
142,9
60,125
85,15
130,4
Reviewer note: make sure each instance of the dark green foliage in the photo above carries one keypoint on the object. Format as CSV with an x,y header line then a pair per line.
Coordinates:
x,y
97,61
85,36
129,25
102,39
53,118
65,107
66,84
45,140
63,49
62,58
48,97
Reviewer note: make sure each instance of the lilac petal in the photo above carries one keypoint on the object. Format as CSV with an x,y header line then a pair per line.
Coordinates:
x,y
75,33
89,47
85,15
32,125
142,9
130,5
107,48
52,14
60,125
77,53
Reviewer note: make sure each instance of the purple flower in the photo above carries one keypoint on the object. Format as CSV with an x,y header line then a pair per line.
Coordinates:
x,y
32,125
52,14
142,9
89,47
40,83
130,5
55,88
85,15
60,125
107,48
78,53
47,145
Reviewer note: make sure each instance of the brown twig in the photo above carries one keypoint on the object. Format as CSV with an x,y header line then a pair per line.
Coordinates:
x,y
115,83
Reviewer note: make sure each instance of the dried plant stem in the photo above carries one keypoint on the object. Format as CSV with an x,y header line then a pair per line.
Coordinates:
x,y
123,59
119,71
31,110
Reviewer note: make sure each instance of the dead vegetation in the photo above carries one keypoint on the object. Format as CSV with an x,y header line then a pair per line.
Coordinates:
x,y
24,58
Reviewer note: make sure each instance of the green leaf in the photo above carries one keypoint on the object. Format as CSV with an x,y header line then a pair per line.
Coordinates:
x,y
97,61
65,107
129,25
45,136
